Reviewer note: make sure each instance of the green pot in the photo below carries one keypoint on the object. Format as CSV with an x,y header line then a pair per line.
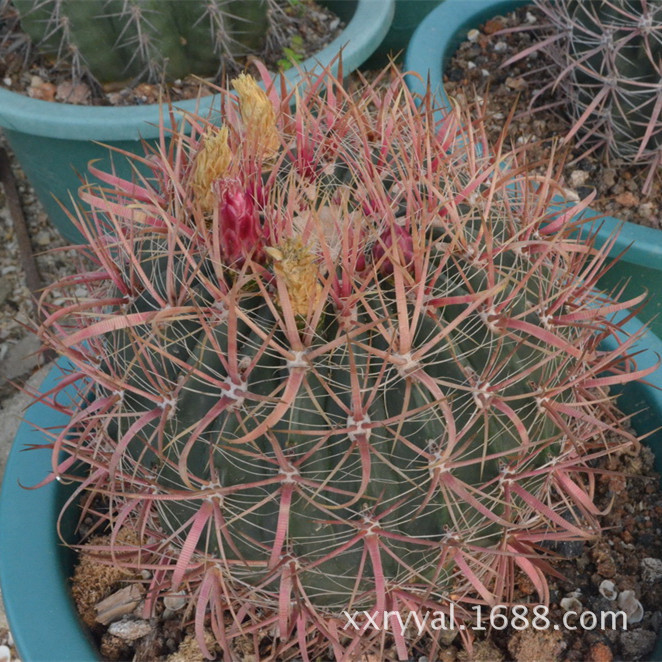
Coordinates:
x,y
408,16
54,142
430,49
35,566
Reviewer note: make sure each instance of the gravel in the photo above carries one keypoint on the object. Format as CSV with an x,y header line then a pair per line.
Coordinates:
x,y
17,306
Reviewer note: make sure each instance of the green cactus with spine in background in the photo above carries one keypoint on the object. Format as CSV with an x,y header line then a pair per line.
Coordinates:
x,y
116,40
608,55
334,359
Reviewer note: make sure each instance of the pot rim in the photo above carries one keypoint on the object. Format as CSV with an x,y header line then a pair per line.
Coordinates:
x,y
365,30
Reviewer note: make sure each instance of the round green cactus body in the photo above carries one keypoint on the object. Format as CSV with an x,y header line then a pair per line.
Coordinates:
x,y
150,39
344,359
370,436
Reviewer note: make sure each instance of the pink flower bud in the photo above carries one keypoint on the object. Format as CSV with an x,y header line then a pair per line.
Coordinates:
x,y
240,229
385,248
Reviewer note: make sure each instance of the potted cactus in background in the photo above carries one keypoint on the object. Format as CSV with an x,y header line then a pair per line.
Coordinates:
x,y
608,55
328,361
115,41
609,59
53,145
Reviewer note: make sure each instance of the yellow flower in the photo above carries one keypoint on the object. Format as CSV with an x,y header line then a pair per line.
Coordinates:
x,y
295,264
211,163
258,116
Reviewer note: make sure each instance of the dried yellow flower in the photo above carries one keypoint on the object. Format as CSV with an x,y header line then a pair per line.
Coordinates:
x,y
295,264
211,163
257,114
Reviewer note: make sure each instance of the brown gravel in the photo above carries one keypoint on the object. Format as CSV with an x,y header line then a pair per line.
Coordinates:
x,y
17,307
475,73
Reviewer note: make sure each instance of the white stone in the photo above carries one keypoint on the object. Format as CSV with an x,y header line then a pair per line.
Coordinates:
x,y
176,601
633,609
579,178
608,590
652,570
572,604
130,630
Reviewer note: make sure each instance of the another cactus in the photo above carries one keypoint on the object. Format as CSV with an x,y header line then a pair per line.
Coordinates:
x,y
343,362
609,59
122,39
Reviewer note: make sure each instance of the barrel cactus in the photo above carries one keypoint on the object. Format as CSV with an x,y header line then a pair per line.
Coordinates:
x,y
124,39
333,362
608,55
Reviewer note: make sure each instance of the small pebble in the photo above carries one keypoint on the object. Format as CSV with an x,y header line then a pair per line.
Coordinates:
x,y
43,91
473,35
600,653
652,570
43,238
130,630
516,83
627,199
609,176
579,178
572,604
494,25
500,46
646,209
637,644
78,93
608,589
5,654
175,602
627,601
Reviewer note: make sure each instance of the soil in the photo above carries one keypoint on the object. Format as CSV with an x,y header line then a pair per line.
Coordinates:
x,y
476,74
619,571
24,71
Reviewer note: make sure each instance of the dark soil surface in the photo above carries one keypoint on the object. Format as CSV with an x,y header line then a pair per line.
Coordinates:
x,y
23,70
476,73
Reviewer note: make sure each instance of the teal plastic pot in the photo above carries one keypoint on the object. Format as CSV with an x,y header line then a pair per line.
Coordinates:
x,y
430,49
408,16
53,142
35,566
